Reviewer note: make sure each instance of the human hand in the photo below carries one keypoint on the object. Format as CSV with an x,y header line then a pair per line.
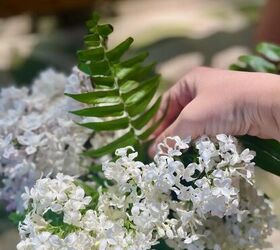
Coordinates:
x,y
212,101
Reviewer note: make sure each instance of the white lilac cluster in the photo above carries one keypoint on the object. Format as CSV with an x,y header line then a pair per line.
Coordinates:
x,y
208,202
37,134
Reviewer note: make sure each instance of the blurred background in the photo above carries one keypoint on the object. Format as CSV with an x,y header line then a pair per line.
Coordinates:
x,y
179,34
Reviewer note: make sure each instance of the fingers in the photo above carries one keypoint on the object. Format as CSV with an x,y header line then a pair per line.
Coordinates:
x,y
174,100
196,119
173,110
185,125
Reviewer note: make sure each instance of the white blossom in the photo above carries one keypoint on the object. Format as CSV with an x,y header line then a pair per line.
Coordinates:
x,y
38,135
208,203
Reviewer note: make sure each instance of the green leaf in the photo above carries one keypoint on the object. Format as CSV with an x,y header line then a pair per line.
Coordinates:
x,y
54,218
103,81
122,89
93,21
142,89
84,68
143,119
136,73
104,30
89,190
92,38
98,68
258,64
140,103
92,44
125,140
107,100
267,153
134,60
237,67
116,124
95,168
99,181
104,100
270,51
123,73
128,86
143,72
162,246
145,135
115,54
91,97
101,111
16,217
91,54
56,225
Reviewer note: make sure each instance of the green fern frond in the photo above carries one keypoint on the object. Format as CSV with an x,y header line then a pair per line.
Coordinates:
x,y
123,89
266,59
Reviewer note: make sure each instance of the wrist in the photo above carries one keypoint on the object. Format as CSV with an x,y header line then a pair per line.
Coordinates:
x,y
262,104
274,103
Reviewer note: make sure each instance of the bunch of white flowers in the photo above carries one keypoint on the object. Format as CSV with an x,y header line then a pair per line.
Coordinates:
x,y
37,134
194,196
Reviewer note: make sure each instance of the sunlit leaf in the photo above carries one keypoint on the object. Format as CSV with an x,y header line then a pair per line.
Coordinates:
x,y
123,141
116,124
270,51
96,54
105,30
144,118
128,86
101,111
90,97
259,64
145,135
116,53
123,89
136,73
134,60
141,102
140,90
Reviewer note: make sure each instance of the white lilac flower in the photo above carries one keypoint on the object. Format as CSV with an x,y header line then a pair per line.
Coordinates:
x,y
209,203
89,230
38,135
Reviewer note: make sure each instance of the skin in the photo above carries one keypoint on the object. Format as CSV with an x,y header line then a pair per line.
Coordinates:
x,y
212,101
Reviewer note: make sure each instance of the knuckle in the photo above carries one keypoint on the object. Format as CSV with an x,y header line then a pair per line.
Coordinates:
x,y
194,79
